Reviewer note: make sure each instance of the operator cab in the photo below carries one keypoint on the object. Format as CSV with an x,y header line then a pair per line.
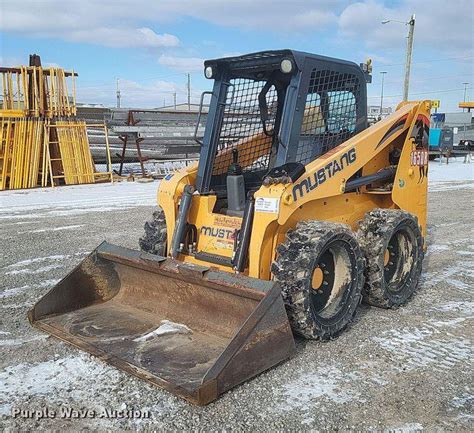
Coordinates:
x,y
270,114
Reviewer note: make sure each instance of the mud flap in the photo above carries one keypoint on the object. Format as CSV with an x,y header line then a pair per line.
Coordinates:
x,y
192,330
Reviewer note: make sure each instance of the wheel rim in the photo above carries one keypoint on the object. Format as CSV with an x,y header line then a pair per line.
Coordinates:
x,y
333,273
401,251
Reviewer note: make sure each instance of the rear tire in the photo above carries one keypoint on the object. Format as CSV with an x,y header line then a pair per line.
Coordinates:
x,y
154,240
320,267
393,247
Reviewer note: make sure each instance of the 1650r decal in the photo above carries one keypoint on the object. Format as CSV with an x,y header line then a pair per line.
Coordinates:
x,y
319,177
419,158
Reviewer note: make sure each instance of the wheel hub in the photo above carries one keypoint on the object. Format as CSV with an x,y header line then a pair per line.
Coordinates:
x,y
331,275
318,278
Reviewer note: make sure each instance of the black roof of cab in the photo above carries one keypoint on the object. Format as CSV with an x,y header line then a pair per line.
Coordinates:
x,y
265,60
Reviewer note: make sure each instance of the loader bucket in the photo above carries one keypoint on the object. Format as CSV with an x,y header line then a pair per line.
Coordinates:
x,y
192,330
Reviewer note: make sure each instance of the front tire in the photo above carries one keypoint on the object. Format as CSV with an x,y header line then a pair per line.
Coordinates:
x,y
393,247
320,267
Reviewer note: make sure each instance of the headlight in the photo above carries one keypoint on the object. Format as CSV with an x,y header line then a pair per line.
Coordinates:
x,y
208,72
286,66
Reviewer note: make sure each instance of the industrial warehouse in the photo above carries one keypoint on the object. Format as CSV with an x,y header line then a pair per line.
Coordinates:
x,y
224,217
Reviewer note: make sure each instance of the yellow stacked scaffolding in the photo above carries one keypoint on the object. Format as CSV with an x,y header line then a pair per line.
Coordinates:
x,y
20,153
68,158
42,143
37,92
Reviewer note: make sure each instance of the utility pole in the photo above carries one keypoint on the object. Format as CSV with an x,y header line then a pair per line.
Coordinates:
x,y
381,93
411,31
409,53
465,92
189,91
174,100
118,94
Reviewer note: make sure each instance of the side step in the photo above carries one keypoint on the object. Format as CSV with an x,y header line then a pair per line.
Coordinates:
x,y
214,258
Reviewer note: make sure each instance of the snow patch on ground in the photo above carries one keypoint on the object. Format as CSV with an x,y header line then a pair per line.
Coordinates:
x,y
74,375
63,201
15,306
53,229
463,307
436,248
421,347
309,388
76,381
307,420
459,277
465,402
23,340
13,291
450,186
456,170
16,223
28,262
7,293
448,224
40,270
61,213
453,176
450,323
412,427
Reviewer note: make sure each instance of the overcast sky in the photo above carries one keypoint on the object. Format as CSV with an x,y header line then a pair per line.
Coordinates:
x,y
151,45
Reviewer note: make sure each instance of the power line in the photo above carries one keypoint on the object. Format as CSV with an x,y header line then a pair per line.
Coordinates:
x,y
141,79
189,90
422,93
430,78
108,84
118,94
424,61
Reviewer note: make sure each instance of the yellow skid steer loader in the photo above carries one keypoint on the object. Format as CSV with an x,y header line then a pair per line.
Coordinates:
x,y
295,212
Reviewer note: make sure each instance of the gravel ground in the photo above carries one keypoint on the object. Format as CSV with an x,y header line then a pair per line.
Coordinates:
x,y
403,370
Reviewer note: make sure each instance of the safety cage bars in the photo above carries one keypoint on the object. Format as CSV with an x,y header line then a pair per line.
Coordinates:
x,y
330,115
243,127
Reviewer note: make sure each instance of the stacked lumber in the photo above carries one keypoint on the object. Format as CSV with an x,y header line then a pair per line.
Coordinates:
x,y
42,143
